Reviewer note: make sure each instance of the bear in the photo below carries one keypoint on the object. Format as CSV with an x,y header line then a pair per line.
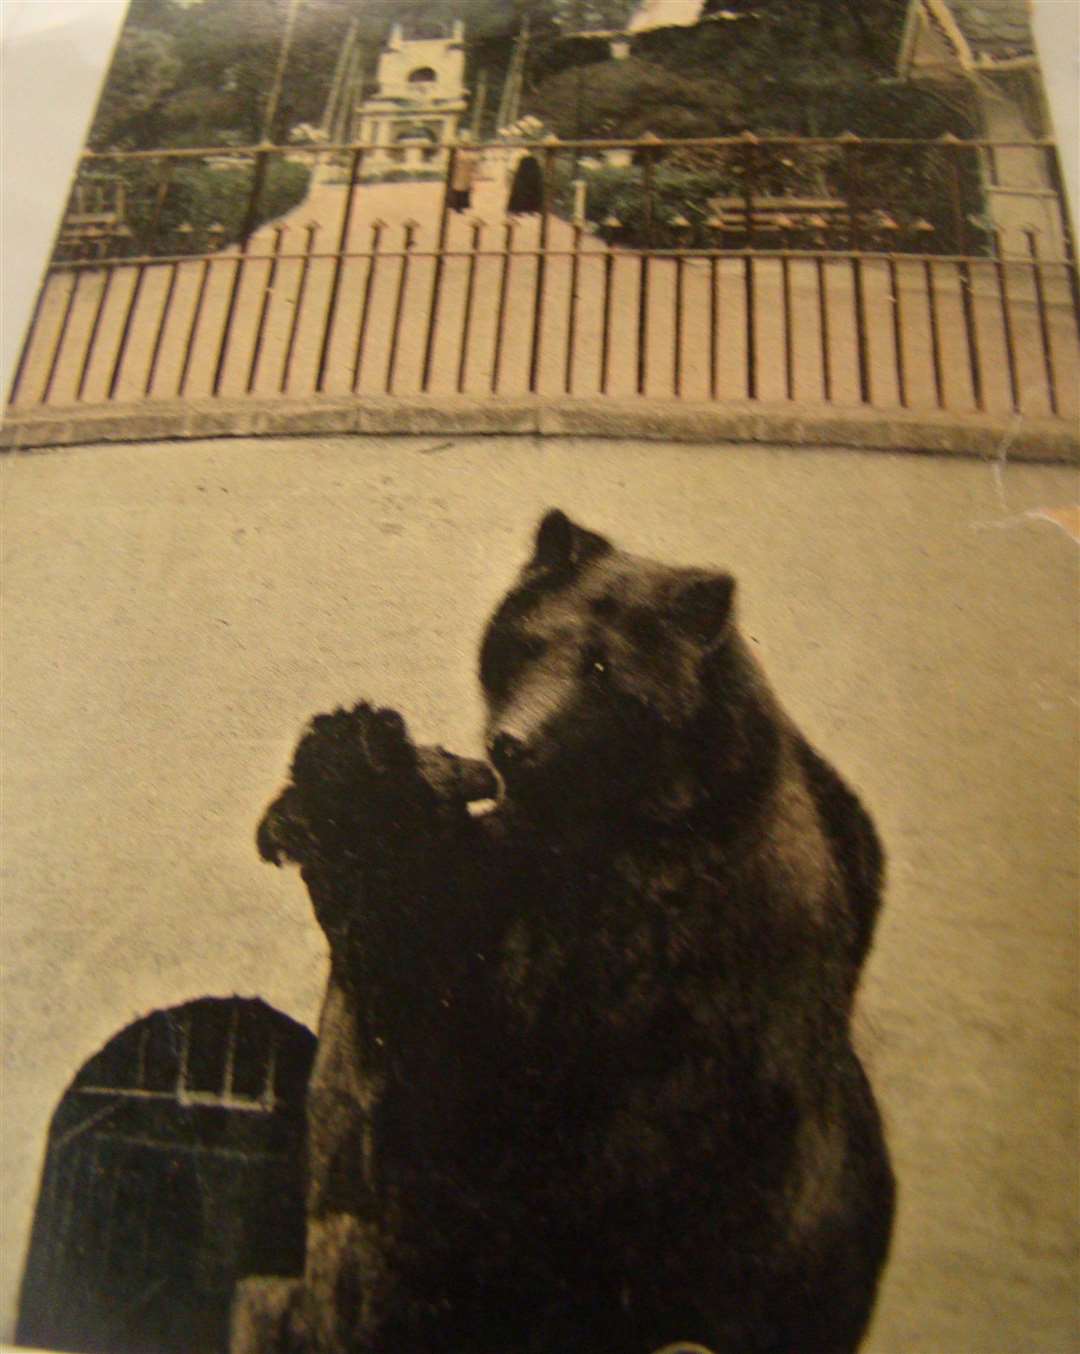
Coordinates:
x,y
586,1079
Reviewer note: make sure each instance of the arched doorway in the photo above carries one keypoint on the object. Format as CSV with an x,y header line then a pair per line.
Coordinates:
x,y
174,1167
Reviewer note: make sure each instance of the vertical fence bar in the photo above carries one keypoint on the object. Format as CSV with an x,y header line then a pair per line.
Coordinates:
x,y
440,263
749,184
500,316
954,149
642,321
648,168
24,351
1006,321
714,327
159,334
258,181
1053,166
264,307
196,316
823,326
1044,327
789,342
860,329
399,305
125,331
94,329
971,333
355,161
571,320
466,320
377,228
312,229
677,372
643,268
853,168
605,324
751,326
898,332
65,320
935,335
541,274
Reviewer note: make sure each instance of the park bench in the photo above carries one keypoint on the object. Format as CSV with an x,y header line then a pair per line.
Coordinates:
x,y
779,216
96,216
811,221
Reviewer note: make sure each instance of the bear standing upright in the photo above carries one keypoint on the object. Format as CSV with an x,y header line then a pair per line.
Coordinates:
x,y
585,1082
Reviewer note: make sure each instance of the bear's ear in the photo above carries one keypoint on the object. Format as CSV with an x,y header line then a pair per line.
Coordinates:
x,y
702,607
562,544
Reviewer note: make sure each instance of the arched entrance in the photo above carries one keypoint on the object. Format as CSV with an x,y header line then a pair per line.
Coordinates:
x,y
174,1167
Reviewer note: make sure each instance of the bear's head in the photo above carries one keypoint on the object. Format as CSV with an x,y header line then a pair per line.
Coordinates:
x,y
615,684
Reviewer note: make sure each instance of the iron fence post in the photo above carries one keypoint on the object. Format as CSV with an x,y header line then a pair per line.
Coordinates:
x,y
749,163
258,182
355,162
95,329
1044,327
377,228
1006,320
954,149
24,351
163,320
605,320
264,307
399,304
466,320
436,284
648,180
312,229
1069,238
571,322
54,363
125,332
541,273
853,192
500,315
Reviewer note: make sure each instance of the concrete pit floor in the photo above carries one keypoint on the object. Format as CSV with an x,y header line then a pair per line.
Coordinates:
x,y
174,613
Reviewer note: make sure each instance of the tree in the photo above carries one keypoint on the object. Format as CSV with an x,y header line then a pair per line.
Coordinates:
x,y
145,69
627,98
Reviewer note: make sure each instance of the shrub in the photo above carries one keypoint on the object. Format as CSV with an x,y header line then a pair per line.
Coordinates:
x,y
200,195
888,184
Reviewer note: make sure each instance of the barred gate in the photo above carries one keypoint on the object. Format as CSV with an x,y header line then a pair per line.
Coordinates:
x,y
372,284
174,1167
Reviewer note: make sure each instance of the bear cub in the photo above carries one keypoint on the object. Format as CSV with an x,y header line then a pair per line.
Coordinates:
x,y
585,1079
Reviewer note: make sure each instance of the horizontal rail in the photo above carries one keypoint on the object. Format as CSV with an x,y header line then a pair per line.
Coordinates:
x,y
555,143
141,260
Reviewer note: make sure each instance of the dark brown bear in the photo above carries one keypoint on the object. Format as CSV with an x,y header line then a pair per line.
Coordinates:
x,y
586,1082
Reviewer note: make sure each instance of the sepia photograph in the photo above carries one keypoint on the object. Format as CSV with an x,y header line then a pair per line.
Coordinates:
x,y
541,685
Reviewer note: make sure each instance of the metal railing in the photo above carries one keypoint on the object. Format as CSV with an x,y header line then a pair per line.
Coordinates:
x,y
810,271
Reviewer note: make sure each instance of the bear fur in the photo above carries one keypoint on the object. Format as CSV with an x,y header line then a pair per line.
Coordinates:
x,y
585,1081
